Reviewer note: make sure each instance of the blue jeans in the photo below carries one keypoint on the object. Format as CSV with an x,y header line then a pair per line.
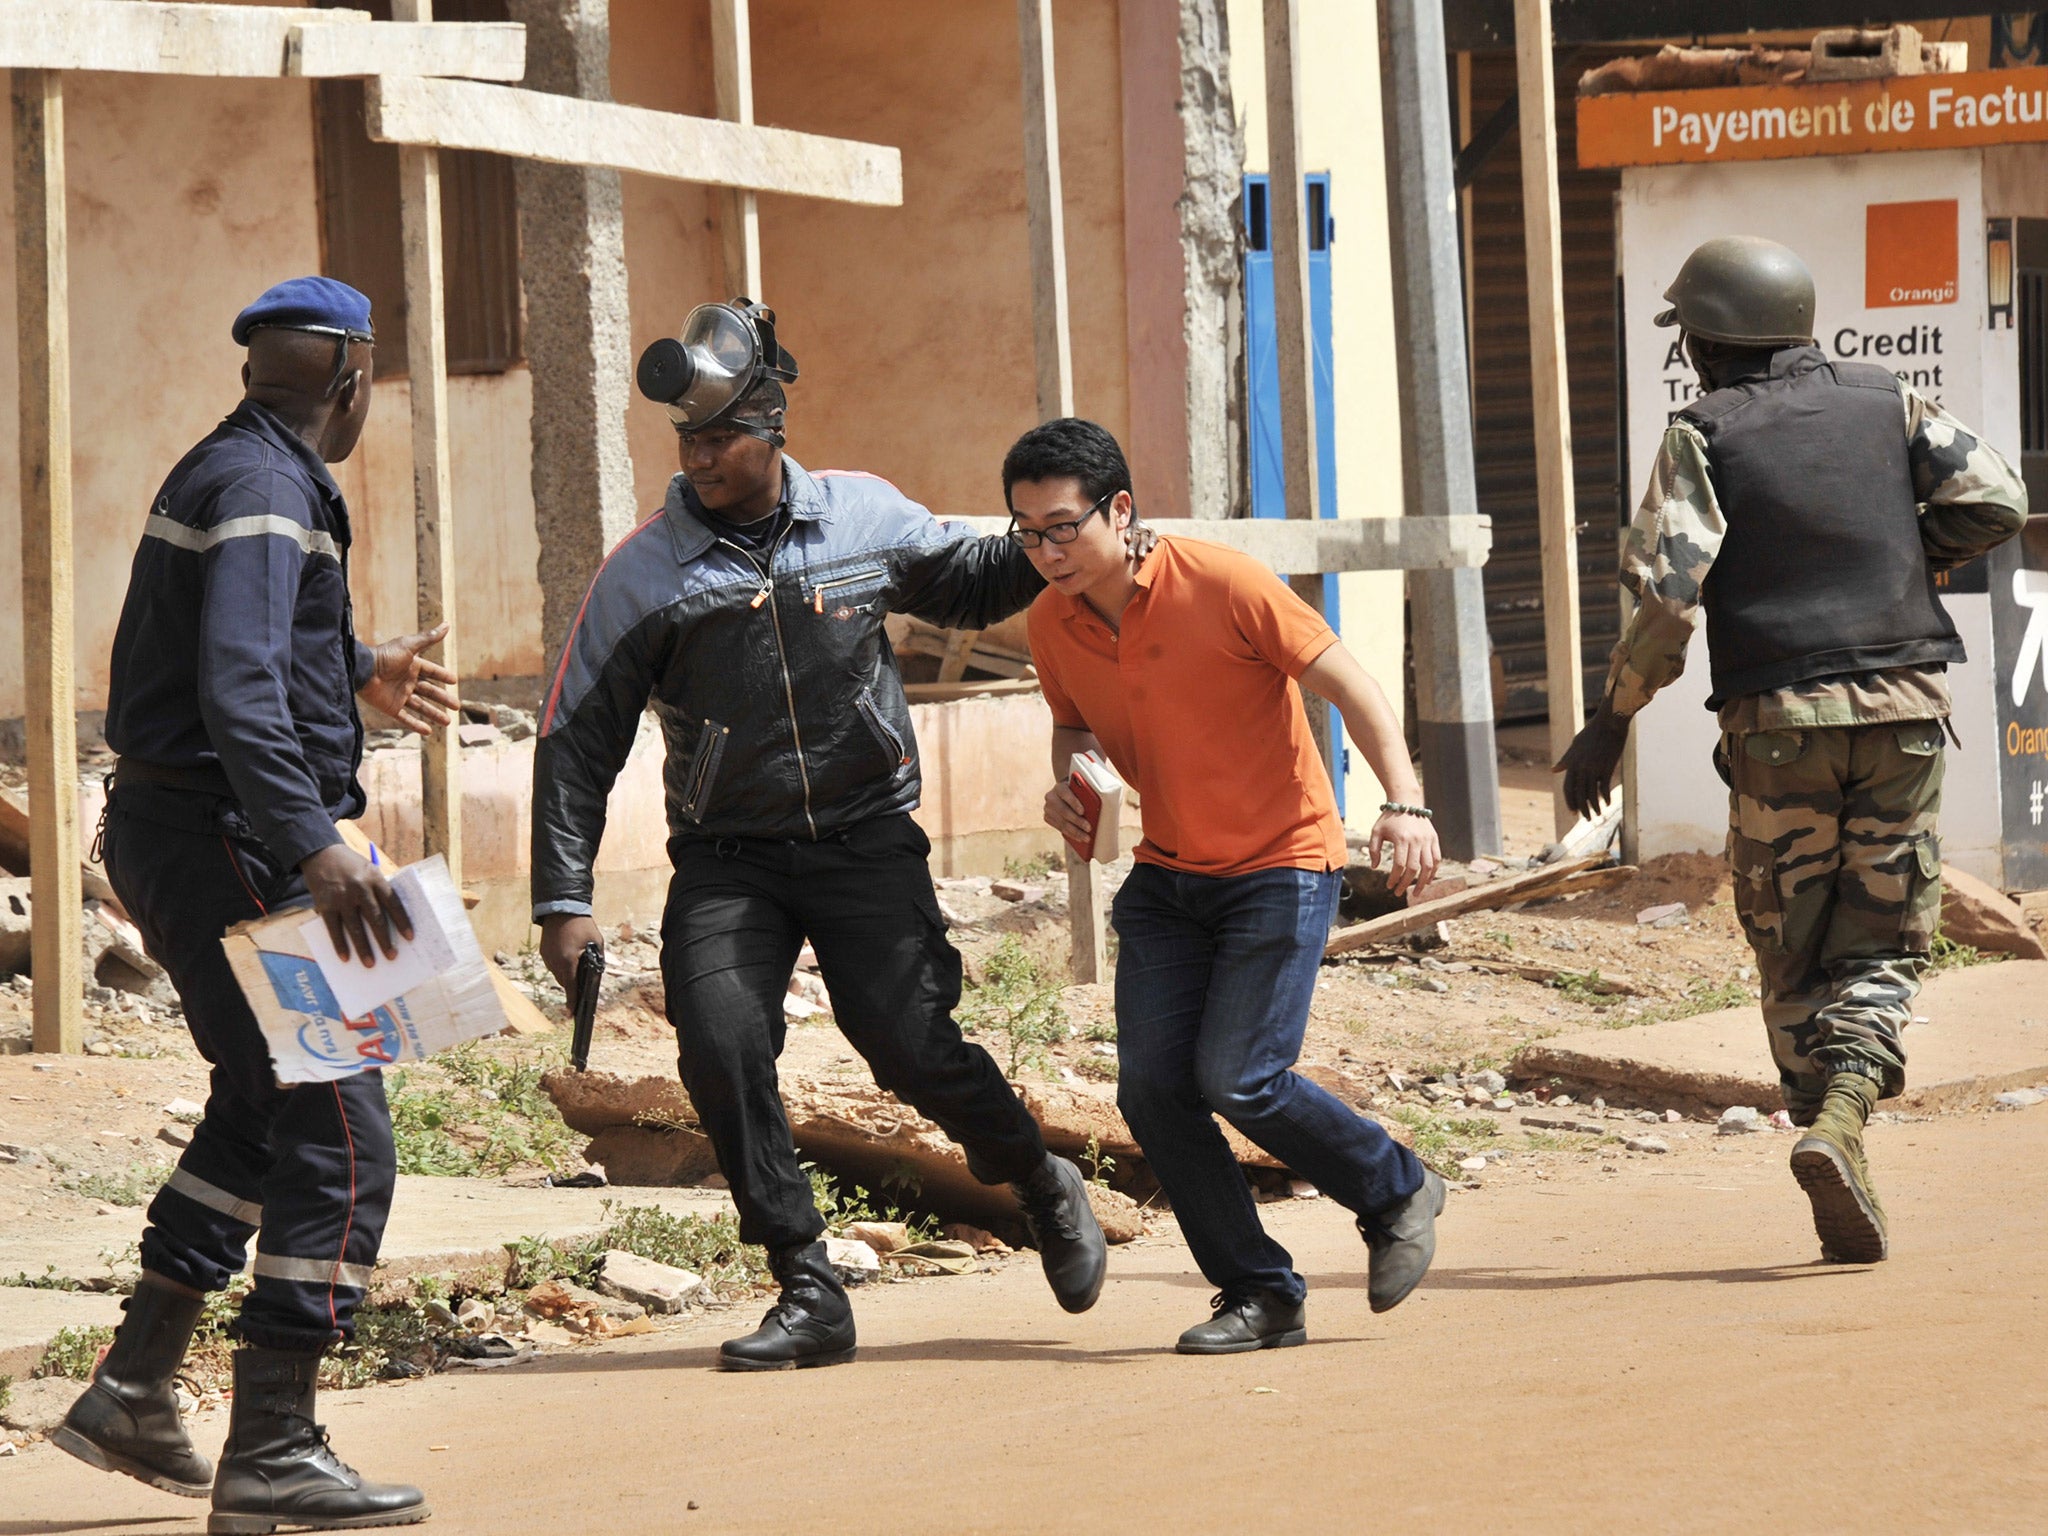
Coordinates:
x,y
1213,983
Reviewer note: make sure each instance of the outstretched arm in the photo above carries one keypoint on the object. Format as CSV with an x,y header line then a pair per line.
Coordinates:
x,y
1369,719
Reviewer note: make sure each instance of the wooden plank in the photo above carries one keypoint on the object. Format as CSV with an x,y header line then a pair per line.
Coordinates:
x,y
426,345
1052,342
43,342
1476,898
566,130
253,41
1557,510
732,77
479,50
1053,354
1328,544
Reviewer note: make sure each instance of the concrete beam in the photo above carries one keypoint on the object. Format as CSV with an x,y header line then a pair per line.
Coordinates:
x,y
568,130
1300,548
255,41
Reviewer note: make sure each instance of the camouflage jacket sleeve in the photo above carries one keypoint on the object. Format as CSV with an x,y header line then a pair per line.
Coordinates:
x,y
1669,549
1971,500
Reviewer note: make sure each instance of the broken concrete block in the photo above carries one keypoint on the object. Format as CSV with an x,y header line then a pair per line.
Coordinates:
x,y
657,1287
1980,915
882,1236
1647,1144
1741,1120
1016,890
643,1155
39,1406
16,928
854,1262
1667,914
1121,1218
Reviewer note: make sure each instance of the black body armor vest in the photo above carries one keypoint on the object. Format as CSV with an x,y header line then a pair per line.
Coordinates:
x,y
1822,571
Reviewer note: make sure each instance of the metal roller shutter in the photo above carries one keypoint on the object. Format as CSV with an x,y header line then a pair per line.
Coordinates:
x,y
1503,433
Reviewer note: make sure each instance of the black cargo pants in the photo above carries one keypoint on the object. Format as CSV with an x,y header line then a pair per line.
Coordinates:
x,y
308,1169
739,910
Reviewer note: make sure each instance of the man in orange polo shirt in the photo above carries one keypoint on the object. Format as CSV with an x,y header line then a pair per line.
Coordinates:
x,y
1186,669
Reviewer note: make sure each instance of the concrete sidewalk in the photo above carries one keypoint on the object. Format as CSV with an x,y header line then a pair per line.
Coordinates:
x,y
1986,1031
437,1225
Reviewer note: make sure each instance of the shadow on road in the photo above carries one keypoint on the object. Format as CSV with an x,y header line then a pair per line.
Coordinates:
x,y
1533,1280
53,1527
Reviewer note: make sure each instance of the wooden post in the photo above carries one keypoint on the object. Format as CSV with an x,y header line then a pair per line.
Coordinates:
x,y
44,346
1053,349
426,346
1557,511
739,218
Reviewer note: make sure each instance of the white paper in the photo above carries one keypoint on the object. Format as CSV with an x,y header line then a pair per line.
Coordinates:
x,y
359,990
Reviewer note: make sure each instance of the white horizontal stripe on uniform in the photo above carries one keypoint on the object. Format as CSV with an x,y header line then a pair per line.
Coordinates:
x,y
313,1271
214,1198
199,540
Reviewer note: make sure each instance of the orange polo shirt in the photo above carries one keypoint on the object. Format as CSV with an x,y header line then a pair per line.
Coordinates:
x,y
1195,703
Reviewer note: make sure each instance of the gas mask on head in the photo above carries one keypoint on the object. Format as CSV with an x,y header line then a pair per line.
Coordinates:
x,y
704,375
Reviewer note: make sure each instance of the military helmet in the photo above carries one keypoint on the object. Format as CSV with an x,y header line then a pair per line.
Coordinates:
x,y
1744,290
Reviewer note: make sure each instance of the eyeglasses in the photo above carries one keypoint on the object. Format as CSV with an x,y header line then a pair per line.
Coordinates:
x,y
1055,533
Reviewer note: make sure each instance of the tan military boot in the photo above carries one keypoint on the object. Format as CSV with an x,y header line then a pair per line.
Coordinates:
x,y
1829,1164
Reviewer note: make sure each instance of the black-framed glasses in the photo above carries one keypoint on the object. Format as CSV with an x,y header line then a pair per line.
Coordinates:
x,y
1055,533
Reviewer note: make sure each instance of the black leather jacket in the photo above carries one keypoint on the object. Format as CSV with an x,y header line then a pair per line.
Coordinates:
x,y
777,691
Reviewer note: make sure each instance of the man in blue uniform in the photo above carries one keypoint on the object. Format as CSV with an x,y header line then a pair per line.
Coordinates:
x,y
232,708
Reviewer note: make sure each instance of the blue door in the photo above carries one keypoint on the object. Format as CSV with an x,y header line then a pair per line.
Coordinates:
x,y
1262,374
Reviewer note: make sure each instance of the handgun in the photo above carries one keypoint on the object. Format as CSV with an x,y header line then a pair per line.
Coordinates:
x,y
589,980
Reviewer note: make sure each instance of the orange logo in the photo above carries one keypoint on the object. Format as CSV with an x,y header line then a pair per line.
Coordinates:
x,y
1909,254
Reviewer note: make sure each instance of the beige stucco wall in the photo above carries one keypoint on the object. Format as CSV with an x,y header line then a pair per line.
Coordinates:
x,y
1341,134
912,324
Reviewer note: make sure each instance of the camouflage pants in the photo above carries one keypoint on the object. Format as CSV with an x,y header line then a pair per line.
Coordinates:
x,y
1838,885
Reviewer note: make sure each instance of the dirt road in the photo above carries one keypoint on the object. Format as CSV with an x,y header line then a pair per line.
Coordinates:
x,y
1650,1348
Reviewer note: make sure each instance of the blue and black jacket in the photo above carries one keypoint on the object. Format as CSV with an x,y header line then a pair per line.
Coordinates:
x,y
776,688
236,658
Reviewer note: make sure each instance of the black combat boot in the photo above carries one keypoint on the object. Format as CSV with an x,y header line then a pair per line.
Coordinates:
x,y
811,1322
1070,1243
277,1467
127,1421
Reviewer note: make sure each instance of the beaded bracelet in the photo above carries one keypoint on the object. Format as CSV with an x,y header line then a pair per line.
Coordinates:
x,y
1396,808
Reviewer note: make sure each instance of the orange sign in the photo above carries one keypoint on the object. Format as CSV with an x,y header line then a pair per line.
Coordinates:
x,y
1909,253
1786,122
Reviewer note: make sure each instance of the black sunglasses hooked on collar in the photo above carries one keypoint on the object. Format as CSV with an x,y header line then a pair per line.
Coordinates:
x,y
1055,533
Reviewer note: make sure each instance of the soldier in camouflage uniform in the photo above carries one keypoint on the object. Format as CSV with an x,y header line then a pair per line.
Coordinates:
x,y
1805,505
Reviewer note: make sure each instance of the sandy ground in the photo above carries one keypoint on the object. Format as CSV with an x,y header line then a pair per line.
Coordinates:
x,y
1646,1344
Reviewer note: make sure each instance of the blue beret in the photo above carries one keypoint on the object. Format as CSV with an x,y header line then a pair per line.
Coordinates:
x,y
303,303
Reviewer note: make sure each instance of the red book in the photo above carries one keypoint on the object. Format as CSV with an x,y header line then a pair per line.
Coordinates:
x,y
1100,790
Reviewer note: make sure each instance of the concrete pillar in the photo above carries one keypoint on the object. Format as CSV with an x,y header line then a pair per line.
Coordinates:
x,y
578,341
1453,688
1212,248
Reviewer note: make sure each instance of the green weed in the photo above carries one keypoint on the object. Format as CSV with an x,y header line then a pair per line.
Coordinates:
x,y
1038,866
472,1111
1017,1001
1442,1142
48,1280
1945,954
708,1246
842,1203
1099,1163
74,1352
136,1184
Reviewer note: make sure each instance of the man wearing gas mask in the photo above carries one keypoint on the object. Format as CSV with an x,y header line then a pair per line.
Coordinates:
x,y
749,611
1805,505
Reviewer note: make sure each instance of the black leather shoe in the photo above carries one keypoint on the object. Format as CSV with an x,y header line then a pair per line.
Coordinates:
x,y
277,1468
1247,1320
810,1324
127,1420
1071,1247
1402,1241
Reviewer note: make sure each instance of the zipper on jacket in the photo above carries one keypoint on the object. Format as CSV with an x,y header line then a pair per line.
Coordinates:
x,y
819,589
871,712
710,747
766,593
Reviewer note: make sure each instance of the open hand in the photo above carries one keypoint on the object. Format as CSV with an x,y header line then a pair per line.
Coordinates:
x,y
1411,844
419,694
